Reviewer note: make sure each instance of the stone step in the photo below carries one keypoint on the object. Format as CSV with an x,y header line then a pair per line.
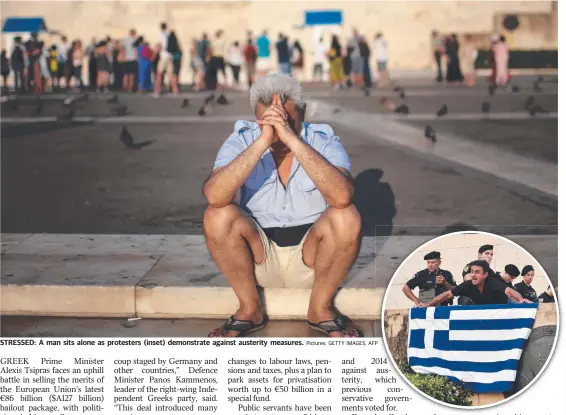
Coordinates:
x,y
150,276
173,276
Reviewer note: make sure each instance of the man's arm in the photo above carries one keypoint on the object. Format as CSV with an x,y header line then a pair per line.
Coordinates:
x,y
445,296
335,183
222,186
411,296
510,292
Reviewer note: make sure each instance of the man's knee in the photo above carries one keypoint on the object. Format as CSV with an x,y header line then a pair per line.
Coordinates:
x,y
345,222
218,221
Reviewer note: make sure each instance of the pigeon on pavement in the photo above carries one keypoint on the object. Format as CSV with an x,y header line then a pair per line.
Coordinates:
x,y
402,109
113,99
515,88
221,100
491,89
442,111
128,140
185,103
485,107
536,87
529,102
430,134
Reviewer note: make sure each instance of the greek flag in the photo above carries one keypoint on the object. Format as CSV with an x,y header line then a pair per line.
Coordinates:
x,y
479,345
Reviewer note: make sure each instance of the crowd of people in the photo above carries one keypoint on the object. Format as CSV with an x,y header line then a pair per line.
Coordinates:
x,y
481,284
133,64
461,59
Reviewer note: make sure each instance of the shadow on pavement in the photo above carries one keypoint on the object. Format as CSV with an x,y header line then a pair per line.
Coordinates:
x,y
375,201
21,130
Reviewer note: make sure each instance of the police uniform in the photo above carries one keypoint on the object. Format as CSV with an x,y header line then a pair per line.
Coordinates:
x,y
426,281
526,291
545,298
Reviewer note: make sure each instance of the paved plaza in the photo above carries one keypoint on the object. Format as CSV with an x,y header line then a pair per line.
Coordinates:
x,y
494,172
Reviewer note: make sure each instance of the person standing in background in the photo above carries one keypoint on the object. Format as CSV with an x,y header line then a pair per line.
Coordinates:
x,y
453,71
165,63
77,62
130,66
197,66
357,69
235,59
62,51
469,56
250,54
263,54
53,66
144,54
117,65
216,61
202,49
319,58
365,54
381,50
177,56
91,64
501,55
283,54
336,64
17,62
103,66
437,52
4,69
298,60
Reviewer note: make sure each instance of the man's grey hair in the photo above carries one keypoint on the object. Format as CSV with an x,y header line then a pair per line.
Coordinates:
x,y
288,87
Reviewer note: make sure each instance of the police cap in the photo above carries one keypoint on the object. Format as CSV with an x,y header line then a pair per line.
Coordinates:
x,y
432,255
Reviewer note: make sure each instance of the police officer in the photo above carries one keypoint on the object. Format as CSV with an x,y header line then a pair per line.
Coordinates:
x,y
524,287
547,296
431,281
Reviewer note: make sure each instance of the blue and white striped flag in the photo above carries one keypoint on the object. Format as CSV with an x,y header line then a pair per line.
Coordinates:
x,y
479,345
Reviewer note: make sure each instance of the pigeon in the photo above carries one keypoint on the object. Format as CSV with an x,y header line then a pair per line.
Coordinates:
x,y
120,110
201,111
492,89
402,95
442,111
185,103
68,116
515,88
529,102
537,87
209,99
398,89
336,110
113,99
430,134
366,92
68,102
222,100
485,107
540,78
128,140
402,109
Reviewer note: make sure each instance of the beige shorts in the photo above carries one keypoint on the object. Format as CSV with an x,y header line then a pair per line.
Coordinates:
x,y
165,63
283,266
263,64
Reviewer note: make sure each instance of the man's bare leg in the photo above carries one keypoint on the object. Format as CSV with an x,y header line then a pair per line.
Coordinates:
x,y
230,235
331,247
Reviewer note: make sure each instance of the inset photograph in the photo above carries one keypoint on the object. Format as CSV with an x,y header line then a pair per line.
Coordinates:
x,y
470,319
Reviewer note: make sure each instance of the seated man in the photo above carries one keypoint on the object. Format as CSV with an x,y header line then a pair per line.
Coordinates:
x,y
431,281
480,289
524,287
295,225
